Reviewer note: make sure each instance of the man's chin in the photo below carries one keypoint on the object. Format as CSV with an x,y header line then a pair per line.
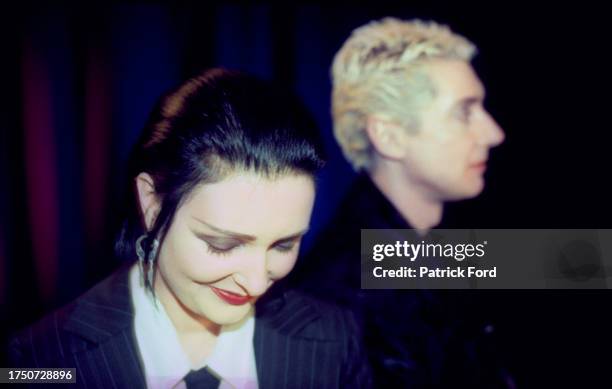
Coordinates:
x,y
474,193
466,192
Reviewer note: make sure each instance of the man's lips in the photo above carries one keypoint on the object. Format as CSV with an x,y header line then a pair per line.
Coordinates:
x,y
479,165
231,297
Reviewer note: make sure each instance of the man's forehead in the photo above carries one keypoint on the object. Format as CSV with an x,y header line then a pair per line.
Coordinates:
x,y
454,80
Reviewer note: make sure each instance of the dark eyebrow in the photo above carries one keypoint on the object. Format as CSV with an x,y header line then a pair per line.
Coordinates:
x,y
293,237
231,234
248,238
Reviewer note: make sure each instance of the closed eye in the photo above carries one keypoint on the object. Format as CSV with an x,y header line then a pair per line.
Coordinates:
x,y
286,246
220,250
220,245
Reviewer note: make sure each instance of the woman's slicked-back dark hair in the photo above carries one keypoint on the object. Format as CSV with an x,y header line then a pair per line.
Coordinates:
x,y
214,124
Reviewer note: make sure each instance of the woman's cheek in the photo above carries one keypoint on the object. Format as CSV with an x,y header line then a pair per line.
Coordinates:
x,y
206,267
282,265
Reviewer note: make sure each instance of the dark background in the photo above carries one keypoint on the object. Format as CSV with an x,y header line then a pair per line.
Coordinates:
x,y
78,82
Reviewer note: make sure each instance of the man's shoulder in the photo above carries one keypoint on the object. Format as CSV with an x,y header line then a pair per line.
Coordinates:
x,y
362,207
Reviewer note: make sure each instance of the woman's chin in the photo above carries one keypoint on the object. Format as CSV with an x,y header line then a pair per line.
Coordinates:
x,y
229,315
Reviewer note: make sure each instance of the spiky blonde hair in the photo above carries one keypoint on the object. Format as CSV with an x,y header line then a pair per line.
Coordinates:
x,y
380,69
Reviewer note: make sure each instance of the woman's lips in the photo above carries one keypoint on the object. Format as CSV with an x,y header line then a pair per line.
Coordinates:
x,y
230,297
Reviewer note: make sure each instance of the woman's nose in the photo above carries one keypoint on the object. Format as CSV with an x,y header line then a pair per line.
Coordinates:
x,y
253,275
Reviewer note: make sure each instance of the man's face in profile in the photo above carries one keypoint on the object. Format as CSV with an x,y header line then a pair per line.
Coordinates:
x,y
446,158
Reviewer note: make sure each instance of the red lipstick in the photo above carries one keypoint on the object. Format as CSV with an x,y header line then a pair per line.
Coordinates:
x,y
231,297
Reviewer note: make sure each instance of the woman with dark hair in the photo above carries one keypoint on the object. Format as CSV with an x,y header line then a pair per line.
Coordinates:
x,y
223,179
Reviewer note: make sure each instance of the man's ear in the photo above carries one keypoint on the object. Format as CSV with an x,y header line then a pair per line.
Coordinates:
x,y
386,137
147,199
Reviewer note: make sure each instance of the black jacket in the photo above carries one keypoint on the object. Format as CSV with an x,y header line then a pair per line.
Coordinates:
x,y
298,342
414,338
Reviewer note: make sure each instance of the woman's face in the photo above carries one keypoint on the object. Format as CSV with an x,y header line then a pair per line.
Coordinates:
x,y
230,241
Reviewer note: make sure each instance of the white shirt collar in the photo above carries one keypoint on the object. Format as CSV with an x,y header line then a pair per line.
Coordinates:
x,y
165,362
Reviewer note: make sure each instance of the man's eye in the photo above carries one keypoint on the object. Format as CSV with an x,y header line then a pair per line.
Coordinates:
x,y
464,113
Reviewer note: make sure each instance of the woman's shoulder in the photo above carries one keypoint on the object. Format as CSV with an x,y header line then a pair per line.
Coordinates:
x,y
42,341
297,328
71,328
300,315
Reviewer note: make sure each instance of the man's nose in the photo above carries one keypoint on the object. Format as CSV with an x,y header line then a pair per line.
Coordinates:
x,y
490,133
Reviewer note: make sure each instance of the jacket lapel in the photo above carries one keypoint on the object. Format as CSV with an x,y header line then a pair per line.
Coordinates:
x,y
103,317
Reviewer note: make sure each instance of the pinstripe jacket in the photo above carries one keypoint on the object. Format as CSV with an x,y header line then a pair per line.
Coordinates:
x,y
298,342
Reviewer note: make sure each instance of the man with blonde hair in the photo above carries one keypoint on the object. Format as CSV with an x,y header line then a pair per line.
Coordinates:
x,y
408,114
408,109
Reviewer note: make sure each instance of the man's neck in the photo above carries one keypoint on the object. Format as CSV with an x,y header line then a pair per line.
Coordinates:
x,y
419,210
